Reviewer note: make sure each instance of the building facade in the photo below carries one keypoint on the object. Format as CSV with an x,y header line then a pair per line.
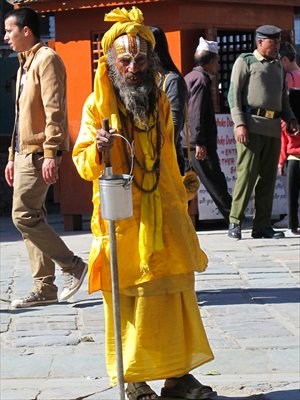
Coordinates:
x,y
79,26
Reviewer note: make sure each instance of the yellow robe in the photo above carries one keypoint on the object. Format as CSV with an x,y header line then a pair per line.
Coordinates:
x,y
162,332
181,253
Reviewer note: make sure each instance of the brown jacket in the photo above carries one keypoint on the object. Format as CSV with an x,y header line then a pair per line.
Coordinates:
x,y
42,124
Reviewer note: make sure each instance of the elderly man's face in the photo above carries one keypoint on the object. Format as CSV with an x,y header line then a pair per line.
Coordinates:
x,y
131,58
268,47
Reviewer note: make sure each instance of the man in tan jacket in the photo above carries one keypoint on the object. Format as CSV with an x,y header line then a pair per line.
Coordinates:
x,y
39,138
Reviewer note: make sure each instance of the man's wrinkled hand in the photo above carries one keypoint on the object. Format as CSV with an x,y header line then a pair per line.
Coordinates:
x,y
242,135
201,152
50,170
104,139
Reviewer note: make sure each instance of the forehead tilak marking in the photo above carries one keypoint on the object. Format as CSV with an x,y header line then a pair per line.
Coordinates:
x,y
132,45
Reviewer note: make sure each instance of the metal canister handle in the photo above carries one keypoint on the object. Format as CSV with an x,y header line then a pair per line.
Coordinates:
x,y
131,147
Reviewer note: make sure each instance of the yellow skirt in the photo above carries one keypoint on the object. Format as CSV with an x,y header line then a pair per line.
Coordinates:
x,y
162,336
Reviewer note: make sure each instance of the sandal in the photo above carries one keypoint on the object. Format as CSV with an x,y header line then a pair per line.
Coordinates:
x,y
140,390
187,387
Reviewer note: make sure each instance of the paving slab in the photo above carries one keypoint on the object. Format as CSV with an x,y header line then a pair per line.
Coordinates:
x,y
249,300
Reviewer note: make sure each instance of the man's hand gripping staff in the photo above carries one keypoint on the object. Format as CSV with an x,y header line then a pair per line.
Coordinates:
x,y
105,140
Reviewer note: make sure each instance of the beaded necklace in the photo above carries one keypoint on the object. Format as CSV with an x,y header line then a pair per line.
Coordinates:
x,y
136,162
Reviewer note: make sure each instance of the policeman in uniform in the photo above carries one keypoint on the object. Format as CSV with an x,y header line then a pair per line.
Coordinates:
x,y
258,99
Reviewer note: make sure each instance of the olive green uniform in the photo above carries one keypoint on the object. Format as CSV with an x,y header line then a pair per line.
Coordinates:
x,y
257,99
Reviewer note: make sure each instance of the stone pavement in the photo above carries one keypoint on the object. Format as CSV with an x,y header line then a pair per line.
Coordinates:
x,y
249,300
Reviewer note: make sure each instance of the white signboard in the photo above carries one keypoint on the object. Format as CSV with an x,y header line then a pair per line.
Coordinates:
x,y
227,155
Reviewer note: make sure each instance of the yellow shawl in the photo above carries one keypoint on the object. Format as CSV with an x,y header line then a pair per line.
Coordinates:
x,y
150,233
156,250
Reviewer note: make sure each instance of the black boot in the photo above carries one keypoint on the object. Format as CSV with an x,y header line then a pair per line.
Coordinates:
x,y
234,231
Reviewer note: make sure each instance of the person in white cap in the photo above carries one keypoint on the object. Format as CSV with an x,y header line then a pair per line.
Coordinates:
x,y
203,127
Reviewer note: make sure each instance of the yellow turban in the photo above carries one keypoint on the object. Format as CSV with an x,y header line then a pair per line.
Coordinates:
x,y
127,22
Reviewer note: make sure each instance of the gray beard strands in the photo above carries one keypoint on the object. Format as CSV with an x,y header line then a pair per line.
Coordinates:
x,y
137,100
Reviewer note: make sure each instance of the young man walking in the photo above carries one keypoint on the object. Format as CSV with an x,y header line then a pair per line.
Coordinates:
x,y
40,136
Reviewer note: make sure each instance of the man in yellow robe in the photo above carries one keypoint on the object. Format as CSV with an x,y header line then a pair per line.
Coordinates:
x,y
157,248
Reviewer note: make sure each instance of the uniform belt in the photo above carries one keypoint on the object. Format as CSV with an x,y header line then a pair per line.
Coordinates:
x,y
261,112
58,153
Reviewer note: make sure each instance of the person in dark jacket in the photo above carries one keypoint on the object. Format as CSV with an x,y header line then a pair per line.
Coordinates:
x,y
203,127
173,84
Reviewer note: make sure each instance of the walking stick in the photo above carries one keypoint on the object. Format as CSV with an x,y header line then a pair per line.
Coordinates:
x,y
115,283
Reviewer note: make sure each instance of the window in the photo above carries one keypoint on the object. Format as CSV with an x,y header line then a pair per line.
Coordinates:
x,y
231,45
47,27
96,50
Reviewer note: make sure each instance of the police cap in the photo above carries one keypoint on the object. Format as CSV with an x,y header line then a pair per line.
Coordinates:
x,y
268,32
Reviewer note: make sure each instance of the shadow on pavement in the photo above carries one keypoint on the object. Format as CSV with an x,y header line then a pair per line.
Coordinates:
x,y
9,233
283,395
20,310
293,394
252,397
78,304
89,303
248,296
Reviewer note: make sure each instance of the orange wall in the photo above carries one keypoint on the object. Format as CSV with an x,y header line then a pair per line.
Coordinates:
x,y
73,44
76,57
73,30
174,42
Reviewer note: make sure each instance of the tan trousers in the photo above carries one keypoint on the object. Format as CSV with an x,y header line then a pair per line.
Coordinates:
x,y
44,246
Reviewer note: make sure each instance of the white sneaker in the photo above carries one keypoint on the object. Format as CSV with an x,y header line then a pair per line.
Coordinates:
x,y
292,233
33,299
73,280
282,223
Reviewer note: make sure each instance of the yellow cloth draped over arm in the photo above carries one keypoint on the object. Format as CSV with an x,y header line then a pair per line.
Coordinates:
x,y
150,234
157,248
181,253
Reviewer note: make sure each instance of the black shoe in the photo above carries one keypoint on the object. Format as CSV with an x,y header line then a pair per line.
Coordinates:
x,y
234,231
267,233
